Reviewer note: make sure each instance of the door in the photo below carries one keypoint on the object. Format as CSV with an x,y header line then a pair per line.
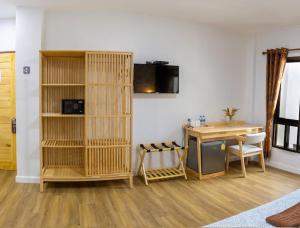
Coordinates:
x,y
7,111
108,113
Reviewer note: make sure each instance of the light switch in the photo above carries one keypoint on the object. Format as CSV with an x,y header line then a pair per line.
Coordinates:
x,y
26,70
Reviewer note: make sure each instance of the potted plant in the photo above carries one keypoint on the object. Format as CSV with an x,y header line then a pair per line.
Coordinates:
x,y
230,112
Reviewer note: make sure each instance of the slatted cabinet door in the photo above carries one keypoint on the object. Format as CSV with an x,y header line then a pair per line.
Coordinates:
x,y
108,114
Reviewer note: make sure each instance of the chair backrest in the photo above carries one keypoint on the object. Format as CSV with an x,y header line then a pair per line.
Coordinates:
x,y
255,138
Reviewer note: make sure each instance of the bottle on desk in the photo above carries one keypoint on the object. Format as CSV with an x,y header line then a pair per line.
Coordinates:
x,y
194,122
189,122
202,120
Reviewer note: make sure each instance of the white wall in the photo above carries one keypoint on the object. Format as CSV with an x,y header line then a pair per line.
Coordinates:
x,y
217,69
212,72
211,65
284,37
29,23
7,34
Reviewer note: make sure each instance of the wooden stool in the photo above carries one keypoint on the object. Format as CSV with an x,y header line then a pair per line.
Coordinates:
x,y
162,173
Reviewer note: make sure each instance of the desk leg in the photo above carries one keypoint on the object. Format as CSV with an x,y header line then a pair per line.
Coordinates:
x,y
186,145
199,158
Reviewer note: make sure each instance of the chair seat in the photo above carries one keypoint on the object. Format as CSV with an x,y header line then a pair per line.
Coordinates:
x,y
246,148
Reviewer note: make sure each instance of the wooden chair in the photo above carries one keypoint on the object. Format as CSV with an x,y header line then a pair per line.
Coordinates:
x,y
249,145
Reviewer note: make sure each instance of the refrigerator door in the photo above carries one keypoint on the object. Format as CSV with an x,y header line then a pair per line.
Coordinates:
x,y
213,157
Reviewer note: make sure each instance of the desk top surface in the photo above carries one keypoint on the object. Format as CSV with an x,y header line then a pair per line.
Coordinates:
x,y
223,128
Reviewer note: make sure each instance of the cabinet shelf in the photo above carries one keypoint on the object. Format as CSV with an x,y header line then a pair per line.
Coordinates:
x,y
108,116
62,143
59,85
61,115
66,174
109,84
63,173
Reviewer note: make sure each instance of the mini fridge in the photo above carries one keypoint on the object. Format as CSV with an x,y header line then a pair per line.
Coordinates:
x,y
212,156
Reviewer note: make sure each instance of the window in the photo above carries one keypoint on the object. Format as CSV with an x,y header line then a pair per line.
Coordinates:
x,y
286,131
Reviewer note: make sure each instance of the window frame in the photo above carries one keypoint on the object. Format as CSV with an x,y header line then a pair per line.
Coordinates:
x,y
287,123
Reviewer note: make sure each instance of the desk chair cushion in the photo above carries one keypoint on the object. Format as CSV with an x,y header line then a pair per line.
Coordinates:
x,y
246,148
255,138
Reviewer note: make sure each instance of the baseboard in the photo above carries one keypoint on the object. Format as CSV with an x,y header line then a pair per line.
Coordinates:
x,y
284,167
27,179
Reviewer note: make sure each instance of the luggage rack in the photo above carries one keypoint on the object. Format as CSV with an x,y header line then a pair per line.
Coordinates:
x,y
162,173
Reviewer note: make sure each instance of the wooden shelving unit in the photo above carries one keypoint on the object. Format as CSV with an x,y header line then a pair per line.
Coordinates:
x,y
96,145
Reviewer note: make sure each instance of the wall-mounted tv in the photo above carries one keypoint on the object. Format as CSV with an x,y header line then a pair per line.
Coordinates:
x,y
156,78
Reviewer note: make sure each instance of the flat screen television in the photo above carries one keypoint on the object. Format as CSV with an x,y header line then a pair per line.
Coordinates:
x,y
156,78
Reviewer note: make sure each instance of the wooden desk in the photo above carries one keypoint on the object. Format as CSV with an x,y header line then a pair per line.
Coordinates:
x,y
213,132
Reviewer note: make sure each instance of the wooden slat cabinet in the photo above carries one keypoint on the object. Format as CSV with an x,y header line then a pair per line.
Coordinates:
x,y
98,144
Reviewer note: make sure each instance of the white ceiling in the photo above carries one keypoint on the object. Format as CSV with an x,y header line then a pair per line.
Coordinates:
x,y
237,14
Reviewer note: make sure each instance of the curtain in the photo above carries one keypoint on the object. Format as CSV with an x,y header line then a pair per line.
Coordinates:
x,y
276,60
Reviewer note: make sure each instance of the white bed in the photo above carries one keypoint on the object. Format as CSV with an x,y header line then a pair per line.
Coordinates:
x,y
257,217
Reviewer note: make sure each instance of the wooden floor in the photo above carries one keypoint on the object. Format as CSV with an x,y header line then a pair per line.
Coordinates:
x,y
174,203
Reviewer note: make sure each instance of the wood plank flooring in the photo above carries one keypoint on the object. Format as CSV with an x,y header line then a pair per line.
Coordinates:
x,y
173,203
